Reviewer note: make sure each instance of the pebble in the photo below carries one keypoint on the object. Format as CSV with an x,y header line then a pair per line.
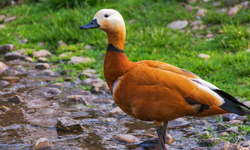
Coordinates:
x,y
189,8
199,148
233,11
80,59
46,72
88,75
201,122
232,130
221,126
246,144
201,12
61,44
107,120
231,116
41,44
3,83
78,92
131,21
87,47
43,144
6,48
223,145
222,134
178,122
126,139
169,139
3,67
10,19
63,55
197,22
42,59
179,24
50,90
115,112
222,10
235,122
204,56
66,123
209,141
237,147
42,66
15,99
2,17
42,53
4,108
14,56
209,35
79,98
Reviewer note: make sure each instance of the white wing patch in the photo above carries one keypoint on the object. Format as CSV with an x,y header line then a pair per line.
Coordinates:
x,y
208,87
114,86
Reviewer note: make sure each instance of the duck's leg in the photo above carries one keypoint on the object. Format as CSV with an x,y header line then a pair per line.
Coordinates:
x,y
165,126
160,132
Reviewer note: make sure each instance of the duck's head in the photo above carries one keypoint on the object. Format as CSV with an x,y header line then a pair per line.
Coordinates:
x,y
108,20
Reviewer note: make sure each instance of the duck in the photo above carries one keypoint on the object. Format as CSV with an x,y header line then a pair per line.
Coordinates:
x,y
156,91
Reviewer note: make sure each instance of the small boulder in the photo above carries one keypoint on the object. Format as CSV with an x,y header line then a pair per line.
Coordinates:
x,y
179,24
3,67
10,19
46,72
42,53
209,141
199,148
204,56
223,145
222,10
63,55
235,122
42,66
66,123
233,11
221,126
43,144
50,90
115,112
15,99
61,44
201,122
126,139
42,59
245,144
237,147
6,48
77,60
197,22
201,12
14,56
231,116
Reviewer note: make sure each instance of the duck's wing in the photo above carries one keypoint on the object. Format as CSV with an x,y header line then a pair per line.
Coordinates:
x,y
205,98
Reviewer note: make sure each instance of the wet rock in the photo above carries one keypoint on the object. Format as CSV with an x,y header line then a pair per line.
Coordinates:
x,y
209,141
221,126
223,145
46,72
204,56
222,134
203,135
201,12
66,123
179,24
42,66
233,11
222,10
61,44
6,48
199,148
232,130
42,53
237,147
126,138
115,112
10,19
3,67
15,99
2,17
245,144
42,59
50,90
235,122
189,8
3,83
77,60
4,108
197,22
41,44
43,144
201,122
209,35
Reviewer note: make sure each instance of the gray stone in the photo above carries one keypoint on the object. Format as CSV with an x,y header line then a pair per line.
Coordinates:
x,y
169,139
232,130
189,8
221,126
3,83
199,148
247,103
237,147
50,90
245,144
66,123
178,122
201,122
197,22
6,48
15,99
87,47
3,67
24,41
179,24
235,122
204,56
10,19
209,141
42,59
46,72
61,44
2,17
42,53
115,112
77,60
209,35
233,11
14,56
222,134
201,12
231,116
43,144
78,92
42,66
79,98
126,138
223,145
87,75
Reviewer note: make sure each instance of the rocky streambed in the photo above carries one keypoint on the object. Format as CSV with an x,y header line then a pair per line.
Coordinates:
x,y
38,111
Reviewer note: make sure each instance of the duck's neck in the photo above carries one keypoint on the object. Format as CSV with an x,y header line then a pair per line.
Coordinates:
x,y
116,62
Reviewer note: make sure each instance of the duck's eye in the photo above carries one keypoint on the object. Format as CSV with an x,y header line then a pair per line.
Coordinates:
x,y
106,15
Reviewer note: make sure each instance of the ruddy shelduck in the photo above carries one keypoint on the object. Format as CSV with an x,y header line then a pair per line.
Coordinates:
x,y
156,91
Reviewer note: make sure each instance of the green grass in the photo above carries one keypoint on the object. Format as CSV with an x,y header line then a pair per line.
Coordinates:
x,y
147,38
